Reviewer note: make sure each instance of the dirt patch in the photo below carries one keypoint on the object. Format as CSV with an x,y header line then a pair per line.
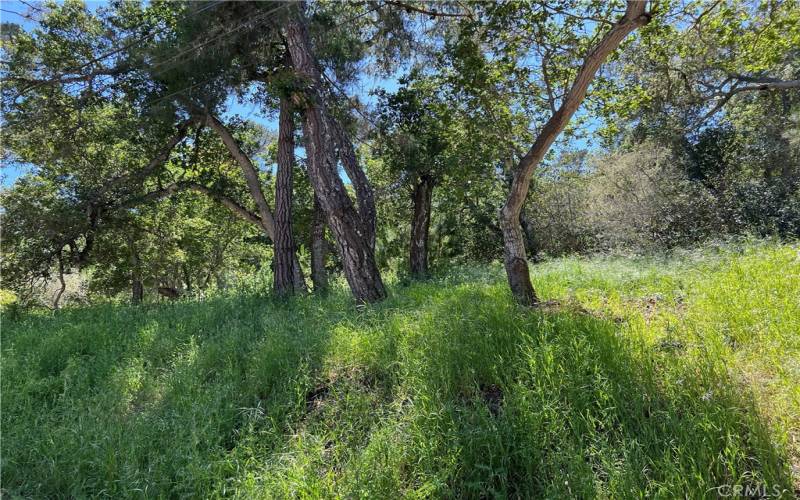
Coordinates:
x,y
671,345
573,306
651,305
316,396
339,381
492,395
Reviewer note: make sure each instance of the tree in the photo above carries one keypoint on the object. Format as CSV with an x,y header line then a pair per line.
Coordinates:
x,y
700,57
514,244
354,230
41,235
288,276
413,138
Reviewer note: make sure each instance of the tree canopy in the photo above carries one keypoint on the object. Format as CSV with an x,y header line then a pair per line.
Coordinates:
x,y
486,127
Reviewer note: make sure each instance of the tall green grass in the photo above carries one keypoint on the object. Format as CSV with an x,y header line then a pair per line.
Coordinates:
x,y
662,377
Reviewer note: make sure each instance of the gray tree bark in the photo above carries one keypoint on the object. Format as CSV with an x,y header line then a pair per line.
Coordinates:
x,y
515,257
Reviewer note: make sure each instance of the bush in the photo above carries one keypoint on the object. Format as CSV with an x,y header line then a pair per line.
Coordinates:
x,y
644,199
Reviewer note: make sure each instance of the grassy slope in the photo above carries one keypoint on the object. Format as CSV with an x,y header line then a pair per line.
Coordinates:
x,y
653,377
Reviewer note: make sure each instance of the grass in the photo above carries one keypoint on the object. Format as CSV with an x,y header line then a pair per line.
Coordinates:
x,y
658,377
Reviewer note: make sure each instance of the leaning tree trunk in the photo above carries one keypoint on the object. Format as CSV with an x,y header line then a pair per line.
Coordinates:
x,y
359,181
319,275
351,229
515,258
288,277
420,226
57,299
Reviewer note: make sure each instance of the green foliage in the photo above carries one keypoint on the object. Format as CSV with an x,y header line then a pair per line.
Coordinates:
x,y
649,196
654,377
38,226
692,53
187,243
414,130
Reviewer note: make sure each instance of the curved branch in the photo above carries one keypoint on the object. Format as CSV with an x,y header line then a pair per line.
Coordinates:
x,y
249,170
635,16
231,204
759,84
766,84
154,164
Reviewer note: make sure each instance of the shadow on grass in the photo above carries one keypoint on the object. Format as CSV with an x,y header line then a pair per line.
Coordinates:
x,y
440,391
585,411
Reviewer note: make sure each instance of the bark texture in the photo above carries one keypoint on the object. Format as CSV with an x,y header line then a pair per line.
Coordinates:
x,y
288,278
515,257
353,237
319,275
364,194
137,291
420,226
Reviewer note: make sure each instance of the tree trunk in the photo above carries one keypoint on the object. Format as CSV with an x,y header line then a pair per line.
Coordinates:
x,y
57,299
187,278
250,173
363,190
288,278
420,226
515,258
529,234
137,288
319,275
352,236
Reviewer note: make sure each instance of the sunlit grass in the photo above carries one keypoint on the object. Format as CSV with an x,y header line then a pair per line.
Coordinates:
x,y
650,377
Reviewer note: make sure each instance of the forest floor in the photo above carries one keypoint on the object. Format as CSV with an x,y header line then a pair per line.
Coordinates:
x,y
669,376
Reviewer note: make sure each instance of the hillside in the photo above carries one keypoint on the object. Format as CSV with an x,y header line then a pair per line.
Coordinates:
x,y
665,377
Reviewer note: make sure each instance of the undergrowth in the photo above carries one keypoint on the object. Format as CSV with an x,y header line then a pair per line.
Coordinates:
x,y
659,377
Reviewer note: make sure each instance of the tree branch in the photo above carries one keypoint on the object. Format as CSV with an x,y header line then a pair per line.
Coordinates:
x,y
249,170
763,84
176,187
34,82
576,17
154,164
635,16
250,173
433,13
